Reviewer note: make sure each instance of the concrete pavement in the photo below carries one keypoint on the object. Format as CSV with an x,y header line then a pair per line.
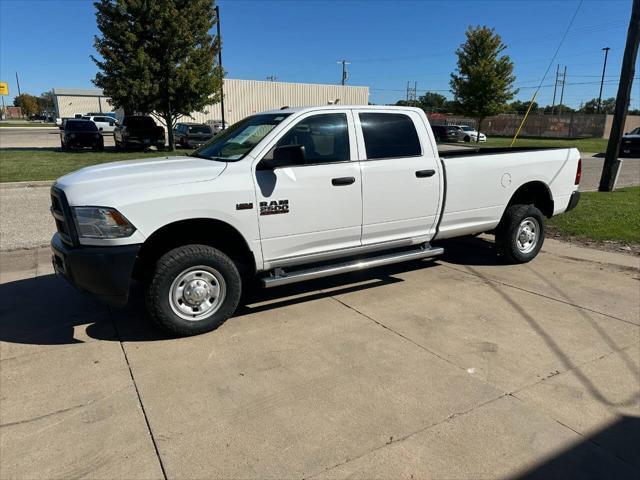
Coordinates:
x,y
459,368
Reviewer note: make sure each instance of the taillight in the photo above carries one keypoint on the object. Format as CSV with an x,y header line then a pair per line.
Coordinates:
x,y
579,172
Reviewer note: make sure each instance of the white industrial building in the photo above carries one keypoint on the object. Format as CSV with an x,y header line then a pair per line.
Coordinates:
x,y
241,99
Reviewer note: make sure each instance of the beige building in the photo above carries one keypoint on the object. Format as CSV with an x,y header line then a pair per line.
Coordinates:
x,y
70,101
241,99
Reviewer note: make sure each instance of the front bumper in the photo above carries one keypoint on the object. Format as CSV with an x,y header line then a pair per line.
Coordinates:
x,y
104,272
573,201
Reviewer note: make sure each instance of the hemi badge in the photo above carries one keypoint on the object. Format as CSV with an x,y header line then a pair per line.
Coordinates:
x,y
244,206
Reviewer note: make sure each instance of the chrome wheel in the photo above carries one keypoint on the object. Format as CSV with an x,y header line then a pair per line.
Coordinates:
x,y
197,293
527,236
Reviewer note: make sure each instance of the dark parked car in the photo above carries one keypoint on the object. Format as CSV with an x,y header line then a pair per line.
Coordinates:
x,y
138,131
80,133
630,145
192,135
444,133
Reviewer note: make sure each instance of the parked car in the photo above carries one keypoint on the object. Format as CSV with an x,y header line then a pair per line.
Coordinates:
x,y
291,195
217,126
105,124
466,133
630,145
444,133
78,133
192,135
138,131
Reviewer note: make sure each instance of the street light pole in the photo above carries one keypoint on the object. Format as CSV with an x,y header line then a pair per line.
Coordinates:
x,y
604,69
217,10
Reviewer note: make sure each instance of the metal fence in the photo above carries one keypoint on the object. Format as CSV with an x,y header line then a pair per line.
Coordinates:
x,y
566,125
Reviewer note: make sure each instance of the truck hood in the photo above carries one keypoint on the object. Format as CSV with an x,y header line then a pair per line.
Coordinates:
x,y
94,185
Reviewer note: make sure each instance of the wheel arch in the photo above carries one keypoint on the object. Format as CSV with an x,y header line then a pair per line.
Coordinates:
x,y
535,193
203,231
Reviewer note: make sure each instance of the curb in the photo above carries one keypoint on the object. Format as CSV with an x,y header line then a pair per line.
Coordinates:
x,y
26,184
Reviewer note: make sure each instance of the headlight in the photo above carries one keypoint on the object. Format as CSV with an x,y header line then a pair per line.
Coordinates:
x,y
101,222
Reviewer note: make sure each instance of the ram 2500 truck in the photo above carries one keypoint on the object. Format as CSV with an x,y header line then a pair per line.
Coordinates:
x,y
290,195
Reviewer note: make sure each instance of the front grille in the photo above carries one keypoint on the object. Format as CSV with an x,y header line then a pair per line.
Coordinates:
x,y
62,215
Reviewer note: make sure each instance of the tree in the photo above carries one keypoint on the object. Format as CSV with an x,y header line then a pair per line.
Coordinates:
x,y
158,57
608,105
560,108
27,103
45,103
519,106
483,82
433,102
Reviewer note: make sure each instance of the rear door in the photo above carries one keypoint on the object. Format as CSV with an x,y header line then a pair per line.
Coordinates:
x,y
314,207
400,180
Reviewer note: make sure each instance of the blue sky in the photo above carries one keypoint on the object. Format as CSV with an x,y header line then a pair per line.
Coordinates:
x,y
387,42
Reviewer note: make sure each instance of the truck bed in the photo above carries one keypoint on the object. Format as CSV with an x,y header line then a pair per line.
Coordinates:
x,y
477,192
477,151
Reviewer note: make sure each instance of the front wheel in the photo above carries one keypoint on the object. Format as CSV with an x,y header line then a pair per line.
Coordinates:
x,y
520,234
194,289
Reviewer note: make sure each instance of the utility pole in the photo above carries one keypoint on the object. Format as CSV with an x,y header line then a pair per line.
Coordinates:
x,y
18,82
564,79
217,10
555,86
345,73
604,69
611,162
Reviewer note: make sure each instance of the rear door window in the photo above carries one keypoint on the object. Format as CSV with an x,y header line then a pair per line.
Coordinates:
x,y
389,135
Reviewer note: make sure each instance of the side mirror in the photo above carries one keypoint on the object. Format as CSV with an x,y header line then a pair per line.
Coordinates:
x,y
285,156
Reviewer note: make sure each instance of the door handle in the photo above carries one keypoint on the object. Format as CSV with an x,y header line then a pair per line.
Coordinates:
x,y
342,181
425,173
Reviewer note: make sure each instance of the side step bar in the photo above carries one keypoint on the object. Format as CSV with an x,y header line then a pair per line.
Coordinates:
x,y
285,278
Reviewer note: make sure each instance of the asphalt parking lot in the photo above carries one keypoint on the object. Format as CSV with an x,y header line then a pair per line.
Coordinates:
x,y
458,368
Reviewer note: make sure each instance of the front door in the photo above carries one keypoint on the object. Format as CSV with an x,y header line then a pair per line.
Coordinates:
x,y
316,206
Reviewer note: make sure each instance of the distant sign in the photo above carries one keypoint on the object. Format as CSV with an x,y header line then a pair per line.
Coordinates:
x,y
4,88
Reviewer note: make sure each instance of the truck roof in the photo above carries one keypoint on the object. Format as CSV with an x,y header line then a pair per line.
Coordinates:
x,y
342,107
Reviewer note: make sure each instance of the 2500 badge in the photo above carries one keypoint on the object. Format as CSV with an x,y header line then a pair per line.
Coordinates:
x,y
274,207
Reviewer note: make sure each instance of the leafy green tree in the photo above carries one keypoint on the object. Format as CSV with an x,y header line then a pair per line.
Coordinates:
x,y
560,108
483,82
158,57
27,103
519,106
608,105
433,102
45,103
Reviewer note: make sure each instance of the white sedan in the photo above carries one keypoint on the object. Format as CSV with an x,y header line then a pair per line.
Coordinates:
x,y
467,133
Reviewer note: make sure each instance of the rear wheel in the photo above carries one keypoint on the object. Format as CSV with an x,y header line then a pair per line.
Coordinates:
x,y
194,289
520,234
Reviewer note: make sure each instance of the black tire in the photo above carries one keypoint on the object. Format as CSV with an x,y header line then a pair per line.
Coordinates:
x,y
173,265
99,147
507,233
64,146
467,138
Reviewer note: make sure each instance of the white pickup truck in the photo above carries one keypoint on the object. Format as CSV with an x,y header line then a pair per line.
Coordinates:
x,y
290,195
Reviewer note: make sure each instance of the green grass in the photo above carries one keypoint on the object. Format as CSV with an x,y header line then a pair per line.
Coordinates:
x,y
18,165
601,216
591,145
25,124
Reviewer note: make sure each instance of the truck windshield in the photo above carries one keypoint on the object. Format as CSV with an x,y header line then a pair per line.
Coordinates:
x,y
236,141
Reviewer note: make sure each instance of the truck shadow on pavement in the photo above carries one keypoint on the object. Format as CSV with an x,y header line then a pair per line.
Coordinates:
x,y
62,315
